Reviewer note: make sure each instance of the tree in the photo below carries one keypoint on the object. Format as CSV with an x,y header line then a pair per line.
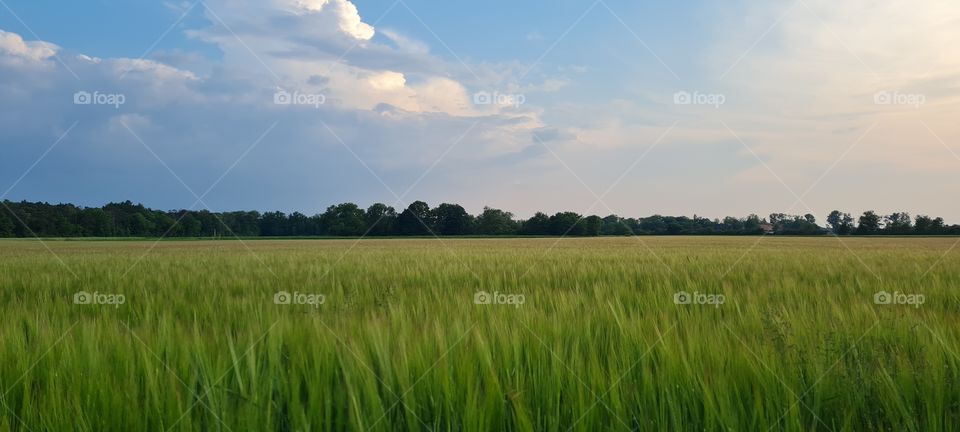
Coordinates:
x,y
140,225
927,225
869,223
496,222
539,224
655,224
841,223
922,224
166,223
898,223
415,219
300,225
210,226
6,223
751,225
273,224
381,219
834,218
795,225
242,223
565,223
731,225
189,226
346,219
614,225
777,218
590,226
96,222
451,219
21,219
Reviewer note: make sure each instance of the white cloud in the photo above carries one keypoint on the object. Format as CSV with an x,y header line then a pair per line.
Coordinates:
x,y
799,100
14,48
348,16
406,44
387,81
326,41
398,120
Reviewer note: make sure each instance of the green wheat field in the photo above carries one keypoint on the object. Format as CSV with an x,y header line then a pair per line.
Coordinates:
x,y
648,334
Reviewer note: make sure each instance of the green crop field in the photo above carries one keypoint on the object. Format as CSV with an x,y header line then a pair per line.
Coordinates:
x,y
658,333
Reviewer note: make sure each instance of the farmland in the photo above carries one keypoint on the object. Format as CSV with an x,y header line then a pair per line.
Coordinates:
x,y
623,333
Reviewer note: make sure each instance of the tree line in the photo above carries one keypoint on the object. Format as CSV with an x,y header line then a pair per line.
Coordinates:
x,y
125,219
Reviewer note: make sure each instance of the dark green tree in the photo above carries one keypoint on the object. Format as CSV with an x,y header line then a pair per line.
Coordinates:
x,y
451,219
731,225
590,226
938,227
96,223
869,223
166,223
566,223
346,219
190,226
6,223
539,224
751,225
841,223
141,225
898,224
300,225
655,224
415,219
922,224
496,222
615,226
273,224
381,220
926,225
210,225
242,223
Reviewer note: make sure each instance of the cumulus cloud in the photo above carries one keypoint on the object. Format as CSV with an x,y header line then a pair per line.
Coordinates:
x,y
799,99
14,49
399,120
348,18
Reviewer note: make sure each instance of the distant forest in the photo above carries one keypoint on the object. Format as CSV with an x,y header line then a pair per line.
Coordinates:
x,y
29,219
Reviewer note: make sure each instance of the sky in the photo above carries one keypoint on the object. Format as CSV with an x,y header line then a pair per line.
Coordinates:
x,y
596,106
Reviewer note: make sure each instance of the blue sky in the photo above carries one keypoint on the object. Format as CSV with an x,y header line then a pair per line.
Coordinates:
x,y
602,107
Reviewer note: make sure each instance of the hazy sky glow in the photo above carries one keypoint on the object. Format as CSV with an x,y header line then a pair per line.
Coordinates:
x,y
713,108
